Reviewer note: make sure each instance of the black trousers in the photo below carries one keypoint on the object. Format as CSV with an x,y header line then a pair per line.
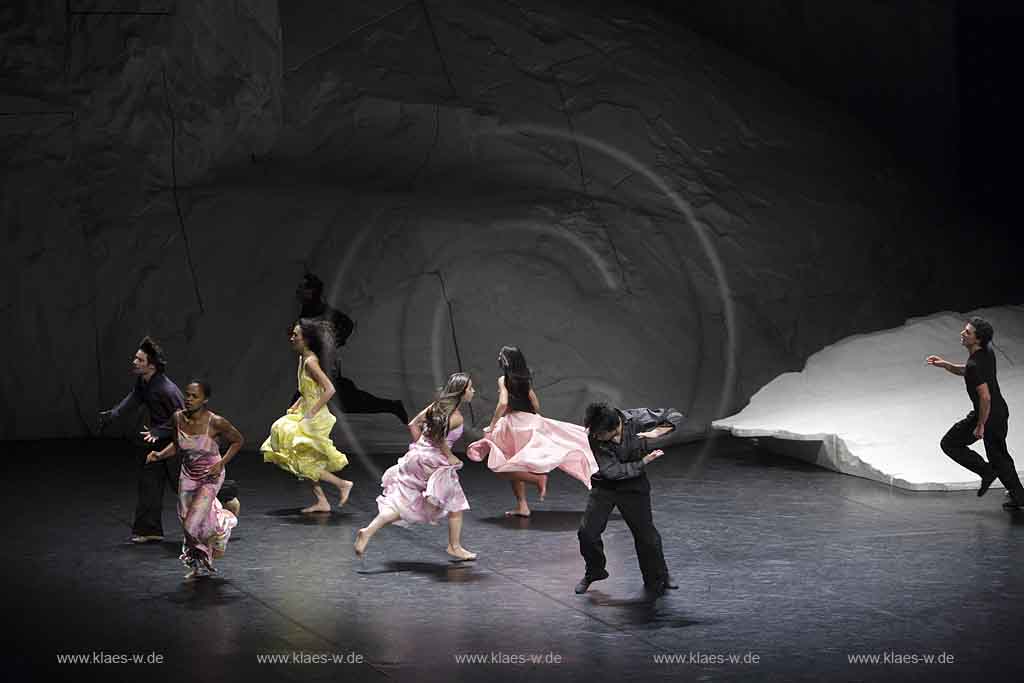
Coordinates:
x,y
352,399
635,507
956,441
152,479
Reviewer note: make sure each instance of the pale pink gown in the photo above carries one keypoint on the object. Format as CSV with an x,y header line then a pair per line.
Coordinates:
x,y
206,524
526,442
422,487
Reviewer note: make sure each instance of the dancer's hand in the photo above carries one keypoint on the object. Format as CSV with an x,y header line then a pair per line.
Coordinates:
x,y
937,361
979,431
653,455
147,435
307,415
214,470
152,456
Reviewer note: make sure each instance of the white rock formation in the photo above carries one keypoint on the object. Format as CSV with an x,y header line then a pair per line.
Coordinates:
x,y
879,410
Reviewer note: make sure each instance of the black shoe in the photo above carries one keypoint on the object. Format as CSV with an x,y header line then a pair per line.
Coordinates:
x,y
1012,505
588,579
661,587
399,412
985,483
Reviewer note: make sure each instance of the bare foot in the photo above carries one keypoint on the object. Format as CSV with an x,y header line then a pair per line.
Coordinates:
x,y
319,506
542,486
344,489
461,553
361,540
521,511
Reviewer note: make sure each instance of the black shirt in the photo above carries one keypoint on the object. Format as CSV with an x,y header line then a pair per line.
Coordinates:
x,y
981,369
161,398
620,465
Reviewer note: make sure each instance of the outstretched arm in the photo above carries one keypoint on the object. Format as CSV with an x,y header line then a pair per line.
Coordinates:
x,y
940,362
657,422
171,448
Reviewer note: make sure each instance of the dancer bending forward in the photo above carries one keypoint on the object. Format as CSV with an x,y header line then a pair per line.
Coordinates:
x,y
423,486
206,524
300,442
522,446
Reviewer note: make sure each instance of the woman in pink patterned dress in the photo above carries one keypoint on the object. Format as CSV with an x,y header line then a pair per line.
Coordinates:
x,y
521,445
206,524
423,487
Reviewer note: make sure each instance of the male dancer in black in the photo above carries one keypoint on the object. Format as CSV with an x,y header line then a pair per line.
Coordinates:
x,y
619,440
989,421
351,398
161,398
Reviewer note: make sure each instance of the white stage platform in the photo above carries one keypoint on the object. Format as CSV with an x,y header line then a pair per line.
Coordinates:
x,y
879,410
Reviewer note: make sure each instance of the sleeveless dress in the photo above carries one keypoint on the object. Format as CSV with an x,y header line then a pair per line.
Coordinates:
x,y
423,487
304,447
522,441
206,524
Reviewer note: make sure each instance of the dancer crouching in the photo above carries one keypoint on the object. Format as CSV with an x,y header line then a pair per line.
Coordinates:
x,y
423,486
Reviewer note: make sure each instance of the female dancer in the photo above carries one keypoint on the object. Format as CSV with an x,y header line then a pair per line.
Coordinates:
x,y
424,485
522,446
300,442
206,524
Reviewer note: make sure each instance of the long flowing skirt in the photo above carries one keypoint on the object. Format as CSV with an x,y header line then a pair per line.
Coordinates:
x,y
525,442
205,523
422,487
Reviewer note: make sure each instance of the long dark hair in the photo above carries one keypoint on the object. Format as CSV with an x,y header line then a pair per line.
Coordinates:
x,y
319,339
440,411
517,372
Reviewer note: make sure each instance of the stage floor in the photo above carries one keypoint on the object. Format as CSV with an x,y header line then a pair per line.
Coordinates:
x,y
793,566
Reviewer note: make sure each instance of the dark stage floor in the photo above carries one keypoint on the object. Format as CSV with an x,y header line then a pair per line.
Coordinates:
x,y
776,560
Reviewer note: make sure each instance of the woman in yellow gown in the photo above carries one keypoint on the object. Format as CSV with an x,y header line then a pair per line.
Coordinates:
x,y
300,442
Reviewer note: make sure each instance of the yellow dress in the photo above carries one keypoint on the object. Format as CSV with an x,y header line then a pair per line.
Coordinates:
x,y
304,447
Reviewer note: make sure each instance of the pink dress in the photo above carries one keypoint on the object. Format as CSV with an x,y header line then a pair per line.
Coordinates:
x,y
206,524
423,487
527,442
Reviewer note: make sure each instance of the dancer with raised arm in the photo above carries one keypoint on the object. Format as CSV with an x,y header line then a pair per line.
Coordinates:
x,y
300,442
205,522
521,445
423,487
988,421
161,398
619,439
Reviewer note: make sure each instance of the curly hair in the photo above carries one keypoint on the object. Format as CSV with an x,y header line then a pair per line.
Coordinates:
x,y
440,411
154,353
983,330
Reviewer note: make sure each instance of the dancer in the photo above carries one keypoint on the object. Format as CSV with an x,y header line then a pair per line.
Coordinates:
x,y
161,397
989,421
300,442
424,485
206,523
351,398
619,439
522,446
